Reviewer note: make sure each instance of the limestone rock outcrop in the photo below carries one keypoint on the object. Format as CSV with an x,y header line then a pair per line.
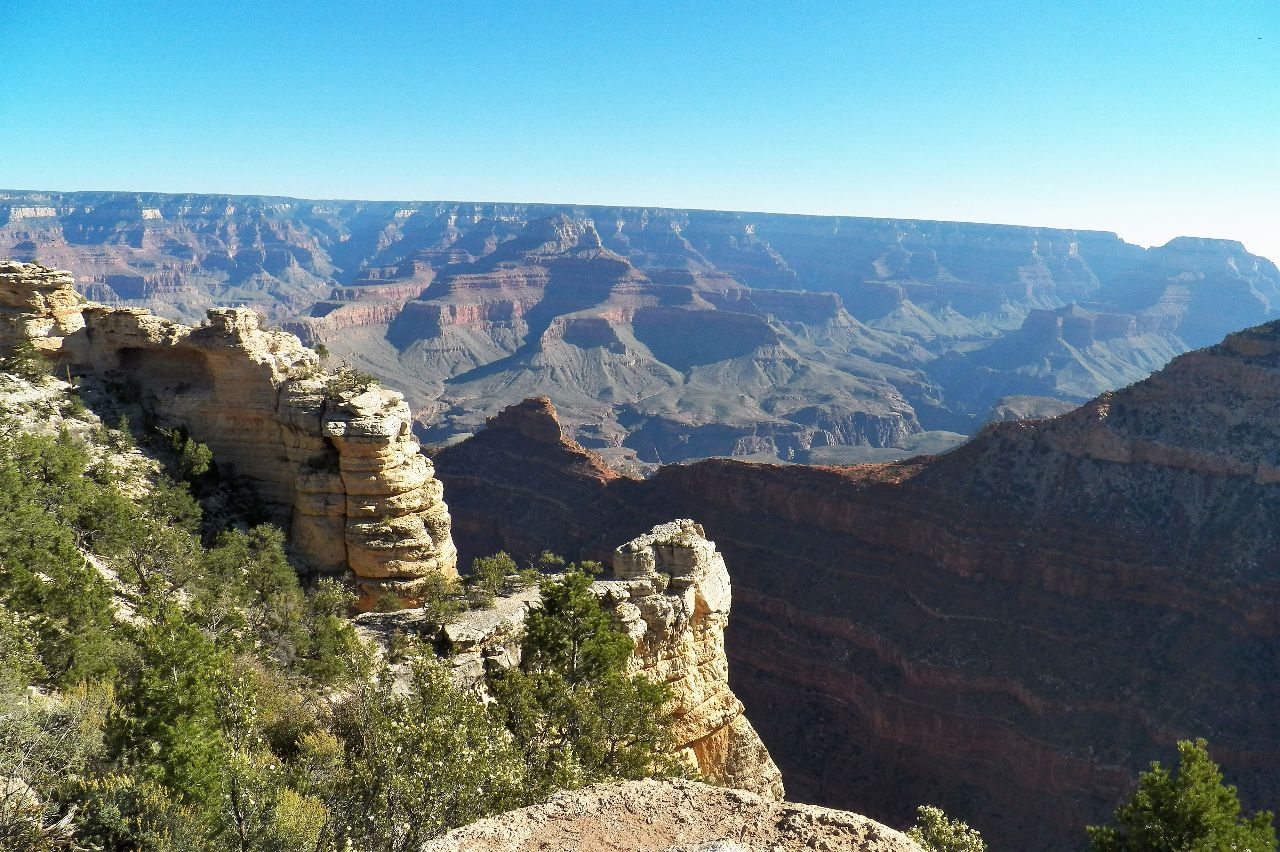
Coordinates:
x,y
670,589
671,816
337,461
672,593
37,304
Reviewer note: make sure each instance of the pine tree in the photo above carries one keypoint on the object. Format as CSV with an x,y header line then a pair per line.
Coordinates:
x,y
1192,811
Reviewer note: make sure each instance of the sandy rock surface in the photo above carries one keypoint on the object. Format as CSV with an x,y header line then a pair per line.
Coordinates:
x,y
671,816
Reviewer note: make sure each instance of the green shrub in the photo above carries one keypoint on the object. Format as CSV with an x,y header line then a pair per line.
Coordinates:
x,y
191,459
26,362
571,709
348,381
934,831
168,728
46,743
1192,810
47,506
330,638
489,576
440,597
418,761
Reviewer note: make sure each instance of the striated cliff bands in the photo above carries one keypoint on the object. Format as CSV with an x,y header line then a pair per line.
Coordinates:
x,y
339,465
1011,630
667,335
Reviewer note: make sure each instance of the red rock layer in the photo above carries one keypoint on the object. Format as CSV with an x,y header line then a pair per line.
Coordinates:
x,y
522,450
1011,631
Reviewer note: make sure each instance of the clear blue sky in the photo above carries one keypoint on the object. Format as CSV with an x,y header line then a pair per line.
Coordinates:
x,y
1150,119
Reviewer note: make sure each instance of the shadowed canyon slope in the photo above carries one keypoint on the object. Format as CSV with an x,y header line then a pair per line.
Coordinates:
x,y
1012,630
660,334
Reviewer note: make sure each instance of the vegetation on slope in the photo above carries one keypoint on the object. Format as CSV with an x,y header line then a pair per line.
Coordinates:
x,y
167,684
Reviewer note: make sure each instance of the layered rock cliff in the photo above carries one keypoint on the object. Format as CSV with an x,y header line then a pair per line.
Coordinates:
x,y
672,593
666,335
1012,630
670,590
337,462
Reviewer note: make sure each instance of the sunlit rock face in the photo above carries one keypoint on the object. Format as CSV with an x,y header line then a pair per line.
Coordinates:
x,y
670,590
37,304
341,465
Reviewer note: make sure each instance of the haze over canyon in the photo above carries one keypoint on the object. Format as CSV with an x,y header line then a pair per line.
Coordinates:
x,y
665,335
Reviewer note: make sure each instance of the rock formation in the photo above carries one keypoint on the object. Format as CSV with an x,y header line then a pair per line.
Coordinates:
x,y
1012,630
667,335
671,816
37,304
339,463
670,589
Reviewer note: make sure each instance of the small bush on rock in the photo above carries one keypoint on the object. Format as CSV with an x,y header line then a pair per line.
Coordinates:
x,y
26,362
937,832
348,381
489,576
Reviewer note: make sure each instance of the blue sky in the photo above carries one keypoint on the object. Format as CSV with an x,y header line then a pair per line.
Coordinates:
x,y
1148,119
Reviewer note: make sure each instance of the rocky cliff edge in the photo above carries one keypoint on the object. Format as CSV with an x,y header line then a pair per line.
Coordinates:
x,y
337,459
671,816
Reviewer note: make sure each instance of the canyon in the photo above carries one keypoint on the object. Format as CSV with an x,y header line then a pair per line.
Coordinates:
x,y
667,335
1011,630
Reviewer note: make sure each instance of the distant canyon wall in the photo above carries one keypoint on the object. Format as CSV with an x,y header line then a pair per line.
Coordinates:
x,y
667,335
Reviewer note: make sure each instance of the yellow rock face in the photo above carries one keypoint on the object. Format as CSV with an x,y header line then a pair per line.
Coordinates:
x,y
343,465
672,593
